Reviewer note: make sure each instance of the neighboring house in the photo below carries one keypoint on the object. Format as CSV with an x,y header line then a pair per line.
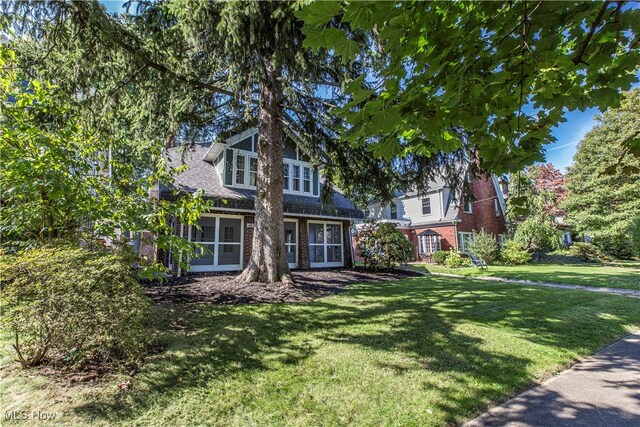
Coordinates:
x,y
316,234
435,221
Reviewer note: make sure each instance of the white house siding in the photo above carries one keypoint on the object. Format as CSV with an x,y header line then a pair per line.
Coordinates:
x,y
413,209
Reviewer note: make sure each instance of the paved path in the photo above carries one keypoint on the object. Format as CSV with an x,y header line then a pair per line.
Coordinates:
x,y
603,390
616,291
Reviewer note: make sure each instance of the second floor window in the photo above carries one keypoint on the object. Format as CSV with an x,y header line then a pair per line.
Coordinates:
x,y
296,178
467,206
394,211
496,207
307,180
240,168
253,171
426,206
285,176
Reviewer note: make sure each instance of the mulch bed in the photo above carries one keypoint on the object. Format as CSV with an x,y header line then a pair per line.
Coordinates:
x,y
222,288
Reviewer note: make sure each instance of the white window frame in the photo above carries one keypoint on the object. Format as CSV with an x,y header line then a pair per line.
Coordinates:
x,y
422,206
216,246
236,157
286,177
429,241
470,203
463,241
393,207
249,172
325,244
296,244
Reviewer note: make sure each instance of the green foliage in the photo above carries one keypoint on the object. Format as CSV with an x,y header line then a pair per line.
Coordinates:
x,y
382,245
585,251
439,257
455,260
72,305
537,233
634,232
63,179
513,253
604,181
484,246
461,86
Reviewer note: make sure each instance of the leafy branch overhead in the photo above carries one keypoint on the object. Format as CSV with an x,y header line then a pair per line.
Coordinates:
x,y
501,74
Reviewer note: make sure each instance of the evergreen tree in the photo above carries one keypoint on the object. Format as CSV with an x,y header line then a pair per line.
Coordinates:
x,y
604,181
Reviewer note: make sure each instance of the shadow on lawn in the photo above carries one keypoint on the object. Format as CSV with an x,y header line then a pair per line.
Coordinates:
x,y
411,317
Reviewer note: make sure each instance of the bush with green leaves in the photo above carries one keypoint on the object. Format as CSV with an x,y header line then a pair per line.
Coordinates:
x,y
382,245
585,251
617,243
71,305
513,253
484,246
455,260
439,257
537,233
634,233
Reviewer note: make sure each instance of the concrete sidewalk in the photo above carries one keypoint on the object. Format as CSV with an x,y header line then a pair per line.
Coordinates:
x,y
615,291
603,390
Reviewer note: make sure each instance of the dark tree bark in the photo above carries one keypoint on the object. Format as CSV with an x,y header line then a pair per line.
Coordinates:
x,y
268,262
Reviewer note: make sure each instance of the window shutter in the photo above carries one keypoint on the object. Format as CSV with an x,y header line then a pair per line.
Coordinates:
x,y
228,167
315,181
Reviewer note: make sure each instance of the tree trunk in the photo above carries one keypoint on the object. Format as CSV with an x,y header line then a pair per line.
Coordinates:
x,y
268,261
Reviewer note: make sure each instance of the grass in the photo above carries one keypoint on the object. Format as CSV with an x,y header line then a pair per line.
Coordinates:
x,y
599,275
424,351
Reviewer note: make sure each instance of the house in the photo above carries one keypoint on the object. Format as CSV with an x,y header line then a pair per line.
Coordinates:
x,y
439,221
317,234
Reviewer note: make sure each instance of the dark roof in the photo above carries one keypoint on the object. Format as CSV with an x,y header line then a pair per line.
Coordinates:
x,y
202,175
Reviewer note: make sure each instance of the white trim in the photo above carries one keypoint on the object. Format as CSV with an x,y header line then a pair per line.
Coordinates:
x,y
180,255
216,245
297,244
325,244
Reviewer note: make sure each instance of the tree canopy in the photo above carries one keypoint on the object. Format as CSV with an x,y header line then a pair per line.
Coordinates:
x,y
490,78
604,181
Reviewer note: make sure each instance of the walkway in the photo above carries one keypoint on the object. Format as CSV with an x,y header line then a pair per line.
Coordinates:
x,y
616,291
602,390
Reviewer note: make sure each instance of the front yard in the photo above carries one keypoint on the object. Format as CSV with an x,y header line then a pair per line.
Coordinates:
x,y
418,351
623,276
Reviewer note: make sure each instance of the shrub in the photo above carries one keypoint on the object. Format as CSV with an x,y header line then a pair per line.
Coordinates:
x,y
454,260
537,233
634,233
484,246
513,253
584,251
439,257
617,244
383,245
72,305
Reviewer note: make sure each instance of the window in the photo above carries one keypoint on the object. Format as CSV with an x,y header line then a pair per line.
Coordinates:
x,y
253,171
325,245
501,239
464,239
219,242
285,176
296,178
240,168
290,242
307,179
367,213
394,211
467,206
496,207
426,206
429,244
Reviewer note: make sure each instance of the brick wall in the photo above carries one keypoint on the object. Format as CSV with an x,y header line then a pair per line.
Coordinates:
x,y
249,218
484,214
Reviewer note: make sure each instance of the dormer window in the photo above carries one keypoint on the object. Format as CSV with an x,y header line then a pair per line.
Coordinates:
x,y
240,168
296,178
394,210
253,171
285,176
307,179
426,206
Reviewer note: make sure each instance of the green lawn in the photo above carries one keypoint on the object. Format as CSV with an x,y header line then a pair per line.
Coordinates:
x,y
424,351
627,277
